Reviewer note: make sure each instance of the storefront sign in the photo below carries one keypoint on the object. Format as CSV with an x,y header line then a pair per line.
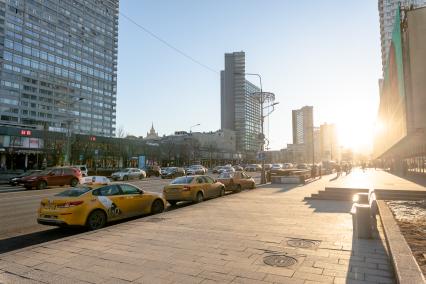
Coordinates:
x,y
25,132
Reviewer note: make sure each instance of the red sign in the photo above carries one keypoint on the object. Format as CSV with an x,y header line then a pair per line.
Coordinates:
x,y
92,138
25,132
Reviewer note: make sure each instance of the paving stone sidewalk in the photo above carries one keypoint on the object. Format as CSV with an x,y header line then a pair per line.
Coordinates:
x,y
374,179
223,240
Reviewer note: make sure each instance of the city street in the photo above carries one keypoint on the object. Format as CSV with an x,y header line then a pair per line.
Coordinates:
x,y
18,207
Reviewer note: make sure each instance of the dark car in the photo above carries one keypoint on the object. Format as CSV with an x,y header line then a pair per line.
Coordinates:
x,y
18,179
173,172
53,177
153,171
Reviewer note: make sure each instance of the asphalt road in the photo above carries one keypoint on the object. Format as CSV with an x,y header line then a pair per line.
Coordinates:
x,y
18,207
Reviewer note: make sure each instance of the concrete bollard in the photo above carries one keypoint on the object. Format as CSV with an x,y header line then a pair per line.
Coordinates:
x,y
361,198
362,221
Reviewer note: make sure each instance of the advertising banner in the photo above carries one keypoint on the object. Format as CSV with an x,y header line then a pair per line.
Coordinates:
x,y
392,109
141,162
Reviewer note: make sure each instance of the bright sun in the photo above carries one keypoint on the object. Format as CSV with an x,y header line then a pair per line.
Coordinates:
x,y
356,134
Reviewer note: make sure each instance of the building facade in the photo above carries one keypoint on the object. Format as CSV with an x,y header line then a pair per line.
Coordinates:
x,y
240,107
400,139
58,65
387,12
329,147
303,130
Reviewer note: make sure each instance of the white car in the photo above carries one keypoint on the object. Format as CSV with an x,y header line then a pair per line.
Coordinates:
x,y
226,169
196,170
276,166
95,180
129,173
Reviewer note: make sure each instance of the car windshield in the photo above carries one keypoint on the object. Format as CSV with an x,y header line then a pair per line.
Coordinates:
x,y
226,175
183,180
30,173
74,192
124,170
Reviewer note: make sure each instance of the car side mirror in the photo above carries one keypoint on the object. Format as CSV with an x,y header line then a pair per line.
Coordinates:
x,y
140,191
51,174
215,180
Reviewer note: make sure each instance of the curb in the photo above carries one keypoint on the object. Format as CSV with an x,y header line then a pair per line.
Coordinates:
x,y
406,267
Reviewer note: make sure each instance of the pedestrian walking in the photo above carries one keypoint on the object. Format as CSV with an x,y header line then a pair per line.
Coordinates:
x,y
338,170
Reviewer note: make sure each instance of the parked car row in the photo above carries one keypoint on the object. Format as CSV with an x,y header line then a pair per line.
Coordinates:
x,y
96,201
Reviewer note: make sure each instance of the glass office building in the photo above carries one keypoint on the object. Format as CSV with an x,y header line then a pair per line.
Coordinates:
x,y
240,107
59,64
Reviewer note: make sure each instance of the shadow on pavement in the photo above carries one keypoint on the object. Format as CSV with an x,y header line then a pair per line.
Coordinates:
x,y
330,206
419,179
370,260
22,241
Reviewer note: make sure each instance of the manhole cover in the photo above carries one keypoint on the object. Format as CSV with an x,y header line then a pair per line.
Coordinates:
x,y
154,220
279,260
302,243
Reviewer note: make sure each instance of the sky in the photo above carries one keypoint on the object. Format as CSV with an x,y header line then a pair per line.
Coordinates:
x,y
321,53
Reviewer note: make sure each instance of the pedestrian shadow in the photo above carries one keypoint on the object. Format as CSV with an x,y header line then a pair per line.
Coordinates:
x,y
333,179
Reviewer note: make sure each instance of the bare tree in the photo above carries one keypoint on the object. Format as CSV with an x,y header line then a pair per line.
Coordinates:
x,y
121,133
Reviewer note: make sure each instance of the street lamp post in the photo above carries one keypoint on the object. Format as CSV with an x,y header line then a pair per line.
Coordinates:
x,y
190,129
192,142
263,97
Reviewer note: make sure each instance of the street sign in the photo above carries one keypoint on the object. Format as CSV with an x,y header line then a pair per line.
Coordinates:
x,y
261,156
96,152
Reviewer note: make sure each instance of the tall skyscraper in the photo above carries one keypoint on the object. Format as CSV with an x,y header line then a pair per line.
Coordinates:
x,y
387,9
59,64
329,147
240,109
303,129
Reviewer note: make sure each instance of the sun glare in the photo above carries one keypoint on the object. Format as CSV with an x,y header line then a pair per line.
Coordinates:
x,y
356,135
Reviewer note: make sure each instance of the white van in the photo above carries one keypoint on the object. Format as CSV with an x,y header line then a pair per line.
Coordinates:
x,y
83,169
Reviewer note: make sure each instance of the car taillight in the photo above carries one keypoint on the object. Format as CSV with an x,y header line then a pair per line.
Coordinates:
x,y
186,188
70,204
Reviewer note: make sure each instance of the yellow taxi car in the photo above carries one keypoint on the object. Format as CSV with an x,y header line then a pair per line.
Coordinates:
x,y
192,188
93,205
236,181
